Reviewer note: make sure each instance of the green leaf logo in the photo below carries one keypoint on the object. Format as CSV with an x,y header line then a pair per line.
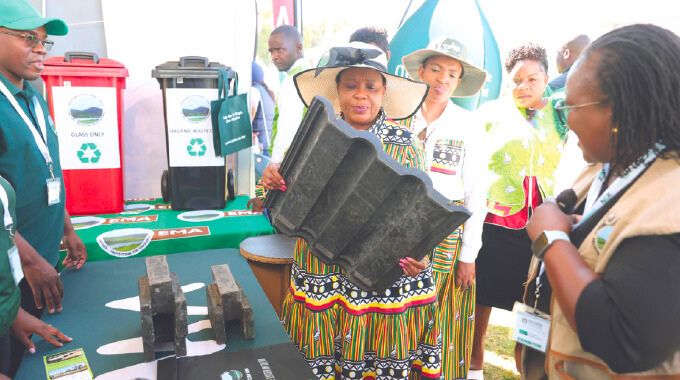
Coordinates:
x,y
196,147
89,153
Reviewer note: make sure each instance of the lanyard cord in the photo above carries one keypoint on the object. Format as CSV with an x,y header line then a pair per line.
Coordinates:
x,y
597,198
40,143
7,219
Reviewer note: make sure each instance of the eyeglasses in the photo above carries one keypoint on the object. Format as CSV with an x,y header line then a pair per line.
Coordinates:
x,y
31,40
561,105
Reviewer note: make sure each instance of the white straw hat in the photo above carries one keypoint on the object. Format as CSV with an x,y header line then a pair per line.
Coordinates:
x,y
402,96
473,77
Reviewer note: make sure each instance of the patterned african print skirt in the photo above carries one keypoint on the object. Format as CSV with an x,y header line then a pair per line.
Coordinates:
x,y
456,309
346,333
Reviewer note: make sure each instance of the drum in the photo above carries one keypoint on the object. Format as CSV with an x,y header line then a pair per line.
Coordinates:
x,y
270,257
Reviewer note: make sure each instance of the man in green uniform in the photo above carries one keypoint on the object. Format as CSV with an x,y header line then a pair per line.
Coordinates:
x,y
12,315
29,159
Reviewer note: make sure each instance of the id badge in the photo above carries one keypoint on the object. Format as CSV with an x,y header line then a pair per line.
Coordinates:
x,y
15,264
532,327
53,191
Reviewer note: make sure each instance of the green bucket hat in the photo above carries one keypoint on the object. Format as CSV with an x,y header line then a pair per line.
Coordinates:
x,y
20,15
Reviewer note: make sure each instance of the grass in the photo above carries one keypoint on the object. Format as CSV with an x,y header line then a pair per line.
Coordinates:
x,y
498,341
491,372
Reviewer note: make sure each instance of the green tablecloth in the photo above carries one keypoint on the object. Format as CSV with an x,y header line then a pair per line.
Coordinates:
x,y
150,228
92,325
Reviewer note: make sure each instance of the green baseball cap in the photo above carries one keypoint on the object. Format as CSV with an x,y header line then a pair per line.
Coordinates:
x,y
20,15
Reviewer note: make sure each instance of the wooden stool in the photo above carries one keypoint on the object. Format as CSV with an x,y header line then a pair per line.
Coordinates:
x,y
270,258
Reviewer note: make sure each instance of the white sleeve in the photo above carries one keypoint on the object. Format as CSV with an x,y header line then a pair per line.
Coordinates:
x,y
571,164
475,182
290,109
254,100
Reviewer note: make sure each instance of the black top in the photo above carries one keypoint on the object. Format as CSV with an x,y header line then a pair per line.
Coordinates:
x,y
630,318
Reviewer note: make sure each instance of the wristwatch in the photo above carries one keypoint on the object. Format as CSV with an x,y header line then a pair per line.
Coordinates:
x,y
545,240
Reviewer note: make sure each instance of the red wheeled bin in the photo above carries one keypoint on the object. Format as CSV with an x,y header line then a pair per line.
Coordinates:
x,y
85,96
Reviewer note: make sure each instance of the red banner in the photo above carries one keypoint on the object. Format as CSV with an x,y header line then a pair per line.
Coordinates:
x,y
284,12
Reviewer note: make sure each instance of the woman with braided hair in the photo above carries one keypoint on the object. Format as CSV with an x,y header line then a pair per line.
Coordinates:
x,y
614,273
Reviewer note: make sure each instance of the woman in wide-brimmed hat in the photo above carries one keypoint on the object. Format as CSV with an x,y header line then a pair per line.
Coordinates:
x,y
342,331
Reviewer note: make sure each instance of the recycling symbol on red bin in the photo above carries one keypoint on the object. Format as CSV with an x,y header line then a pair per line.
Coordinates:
x,y
89,153
196,147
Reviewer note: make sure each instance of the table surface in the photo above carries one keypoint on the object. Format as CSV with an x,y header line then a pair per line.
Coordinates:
x,y
95,326
150,228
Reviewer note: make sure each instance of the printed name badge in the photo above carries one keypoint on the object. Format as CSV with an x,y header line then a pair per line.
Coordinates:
x,y
532,327
15,264
53,191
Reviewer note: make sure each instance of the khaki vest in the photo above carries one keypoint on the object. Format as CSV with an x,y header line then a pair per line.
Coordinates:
x,y
649,207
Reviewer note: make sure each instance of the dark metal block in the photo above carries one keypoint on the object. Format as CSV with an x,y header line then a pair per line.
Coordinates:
x,y
216,313
180,317
148,335
160,283
163,310
247,320
355,205
226,302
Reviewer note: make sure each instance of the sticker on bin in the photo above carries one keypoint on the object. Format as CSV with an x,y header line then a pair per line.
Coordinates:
x,y
87,121
190,139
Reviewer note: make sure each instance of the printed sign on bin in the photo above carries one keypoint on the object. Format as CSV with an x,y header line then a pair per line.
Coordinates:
x,y
87,124
189,126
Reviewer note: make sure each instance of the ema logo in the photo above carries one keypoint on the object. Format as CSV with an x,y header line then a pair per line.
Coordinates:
x,y
210,215
128,242
85,222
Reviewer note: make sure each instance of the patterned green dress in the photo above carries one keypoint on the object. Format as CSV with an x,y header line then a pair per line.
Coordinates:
x,y
346,333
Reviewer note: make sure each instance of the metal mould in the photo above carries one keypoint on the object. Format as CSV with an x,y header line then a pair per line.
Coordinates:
x,y
354,204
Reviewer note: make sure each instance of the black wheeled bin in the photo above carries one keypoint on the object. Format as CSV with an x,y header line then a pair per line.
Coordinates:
x,y
195,179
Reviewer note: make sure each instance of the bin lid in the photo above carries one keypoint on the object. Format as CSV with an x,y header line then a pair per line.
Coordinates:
x,y
188,67
83,64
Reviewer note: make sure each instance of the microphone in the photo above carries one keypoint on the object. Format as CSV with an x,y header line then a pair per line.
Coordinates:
x,y
566,201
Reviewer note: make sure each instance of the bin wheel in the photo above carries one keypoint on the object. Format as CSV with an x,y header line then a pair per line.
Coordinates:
x,y
165,189
231,194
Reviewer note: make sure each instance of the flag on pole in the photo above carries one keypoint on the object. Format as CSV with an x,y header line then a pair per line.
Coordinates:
x,y
462,20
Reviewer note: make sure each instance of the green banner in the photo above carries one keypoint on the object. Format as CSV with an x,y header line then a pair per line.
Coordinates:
x,y
150,227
